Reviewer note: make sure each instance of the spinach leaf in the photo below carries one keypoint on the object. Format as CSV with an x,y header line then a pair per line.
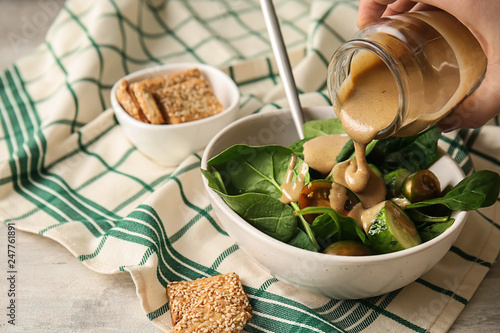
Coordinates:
x,y
248,169
298,147
332,225
348,151
306,227
214,179
413,153
265,213
478,190
327,228
316,128
434,230
423,219
302,241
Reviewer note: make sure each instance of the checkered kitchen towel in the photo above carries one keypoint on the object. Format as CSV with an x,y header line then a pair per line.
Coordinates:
x,y
67,171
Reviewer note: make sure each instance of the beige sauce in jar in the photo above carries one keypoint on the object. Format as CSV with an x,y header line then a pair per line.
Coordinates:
x,y
443,94
368,100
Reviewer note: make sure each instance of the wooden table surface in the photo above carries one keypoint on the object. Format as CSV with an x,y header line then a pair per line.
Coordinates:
x,y
57,293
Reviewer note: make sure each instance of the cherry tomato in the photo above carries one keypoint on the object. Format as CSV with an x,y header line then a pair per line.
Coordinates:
x,y
317,193
314,194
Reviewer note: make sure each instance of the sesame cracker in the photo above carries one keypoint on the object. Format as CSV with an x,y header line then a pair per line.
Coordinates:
x,y
128,101
147,103
216,311
187,101
185,295
161,82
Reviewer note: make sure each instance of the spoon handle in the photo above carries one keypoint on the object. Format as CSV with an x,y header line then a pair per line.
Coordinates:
x,y
283,63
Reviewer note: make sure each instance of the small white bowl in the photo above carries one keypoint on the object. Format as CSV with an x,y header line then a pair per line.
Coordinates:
x,y
340,277
171,144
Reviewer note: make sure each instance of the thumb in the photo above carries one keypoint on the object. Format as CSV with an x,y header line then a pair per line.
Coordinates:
x,y
477,109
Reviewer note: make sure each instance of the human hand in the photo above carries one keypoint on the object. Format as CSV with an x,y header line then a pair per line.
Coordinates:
x,y
482,21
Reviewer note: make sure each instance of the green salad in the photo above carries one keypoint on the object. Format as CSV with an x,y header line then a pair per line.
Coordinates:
x,y
414,208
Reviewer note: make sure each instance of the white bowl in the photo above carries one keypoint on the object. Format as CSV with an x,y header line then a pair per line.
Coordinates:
x,y
340,277
171,144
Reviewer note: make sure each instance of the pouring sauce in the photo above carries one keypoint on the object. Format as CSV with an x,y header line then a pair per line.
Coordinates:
x,y
369,100
440,73
434,63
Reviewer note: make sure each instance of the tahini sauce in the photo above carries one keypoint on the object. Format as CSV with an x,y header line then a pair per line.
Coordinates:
x,y
368,100
321,152
364,216
373,188
368,103
290,189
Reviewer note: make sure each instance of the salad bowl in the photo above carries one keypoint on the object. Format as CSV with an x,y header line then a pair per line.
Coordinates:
x,y
334,276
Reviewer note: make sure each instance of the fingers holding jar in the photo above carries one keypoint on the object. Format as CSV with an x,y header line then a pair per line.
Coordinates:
x,y
477,109
484,103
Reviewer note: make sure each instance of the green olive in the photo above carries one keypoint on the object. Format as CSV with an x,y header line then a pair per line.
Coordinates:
x,y
348,248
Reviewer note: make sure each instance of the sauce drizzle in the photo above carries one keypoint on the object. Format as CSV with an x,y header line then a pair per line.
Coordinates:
x,y
290,189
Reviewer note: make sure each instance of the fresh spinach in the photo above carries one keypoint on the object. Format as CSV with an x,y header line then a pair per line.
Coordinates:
x,y
434,230
330,225
316,128
478,190
302,240
249,169
298,147
265,213
413,153
305,226
421,219
249,179
214,180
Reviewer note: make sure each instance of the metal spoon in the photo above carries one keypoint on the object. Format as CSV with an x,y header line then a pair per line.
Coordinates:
x,y
283,63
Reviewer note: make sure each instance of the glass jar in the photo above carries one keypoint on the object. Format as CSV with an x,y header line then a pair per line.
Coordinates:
x,y
400,76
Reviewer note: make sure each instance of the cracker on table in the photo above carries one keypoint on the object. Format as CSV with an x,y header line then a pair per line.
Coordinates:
x,y
128,101
147,103
216,311
184,295
187,101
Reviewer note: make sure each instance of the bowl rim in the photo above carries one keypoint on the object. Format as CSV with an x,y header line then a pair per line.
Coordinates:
x,y
131,77
460,216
